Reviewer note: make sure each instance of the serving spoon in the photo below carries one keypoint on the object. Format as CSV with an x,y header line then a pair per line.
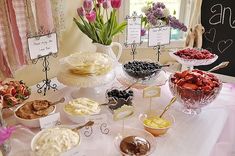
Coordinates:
x,y
41,112
168,106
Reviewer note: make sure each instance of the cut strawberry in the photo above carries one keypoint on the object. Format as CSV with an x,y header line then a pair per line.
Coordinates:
x,y
190,86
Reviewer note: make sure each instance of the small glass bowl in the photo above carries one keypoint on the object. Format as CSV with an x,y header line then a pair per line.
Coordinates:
x,y
115,103
135,132
157,131
144,74
193,100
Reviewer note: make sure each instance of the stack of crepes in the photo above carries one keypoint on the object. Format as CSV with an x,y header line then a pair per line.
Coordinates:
x,y
89,64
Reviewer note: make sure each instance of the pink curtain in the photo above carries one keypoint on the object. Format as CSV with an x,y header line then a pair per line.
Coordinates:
x,y
16,21
44,15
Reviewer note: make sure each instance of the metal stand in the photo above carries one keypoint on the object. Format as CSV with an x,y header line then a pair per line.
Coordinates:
x,y
135,43
158,48
47,85
133,49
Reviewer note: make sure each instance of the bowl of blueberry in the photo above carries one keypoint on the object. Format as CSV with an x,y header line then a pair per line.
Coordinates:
x,y
118,97
143,70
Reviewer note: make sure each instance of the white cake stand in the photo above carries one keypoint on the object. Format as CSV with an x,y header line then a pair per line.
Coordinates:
x,y
86,86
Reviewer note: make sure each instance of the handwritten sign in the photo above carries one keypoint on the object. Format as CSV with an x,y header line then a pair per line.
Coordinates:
x,y
152,91
49,121
159,36
42,45
133,30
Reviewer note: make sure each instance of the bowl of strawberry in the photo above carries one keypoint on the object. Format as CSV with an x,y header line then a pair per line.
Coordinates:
x,y
194,57
194,89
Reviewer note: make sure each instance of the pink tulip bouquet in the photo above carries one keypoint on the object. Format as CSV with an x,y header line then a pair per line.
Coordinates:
x,y
99,21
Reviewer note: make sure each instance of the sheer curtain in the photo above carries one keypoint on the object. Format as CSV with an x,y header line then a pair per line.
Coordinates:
x,y
19,19
195,17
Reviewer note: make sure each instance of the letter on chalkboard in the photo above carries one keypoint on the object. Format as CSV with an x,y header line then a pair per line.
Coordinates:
x,y
216,18
230,17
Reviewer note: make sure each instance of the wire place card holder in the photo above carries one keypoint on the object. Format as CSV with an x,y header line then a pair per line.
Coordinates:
x,y
133,32
41,47
157,37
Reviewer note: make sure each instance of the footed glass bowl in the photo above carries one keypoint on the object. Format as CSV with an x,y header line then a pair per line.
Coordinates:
x,y
193,100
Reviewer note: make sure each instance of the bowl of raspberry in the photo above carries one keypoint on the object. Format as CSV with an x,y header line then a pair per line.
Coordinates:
x,y
194,57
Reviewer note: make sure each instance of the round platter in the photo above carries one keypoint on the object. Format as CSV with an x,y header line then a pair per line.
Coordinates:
x,y
193,62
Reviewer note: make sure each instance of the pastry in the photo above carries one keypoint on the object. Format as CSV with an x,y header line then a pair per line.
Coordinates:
x,y
28,111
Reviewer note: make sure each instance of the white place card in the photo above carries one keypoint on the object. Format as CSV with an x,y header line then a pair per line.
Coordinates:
x,y
133,30
42,45
49,121
98,119
159,36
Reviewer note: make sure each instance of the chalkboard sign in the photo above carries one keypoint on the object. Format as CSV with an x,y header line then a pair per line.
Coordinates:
x,y
218,18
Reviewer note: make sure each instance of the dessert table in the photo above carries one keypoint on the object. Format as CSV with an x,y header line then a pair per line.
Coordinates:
x,y
210,133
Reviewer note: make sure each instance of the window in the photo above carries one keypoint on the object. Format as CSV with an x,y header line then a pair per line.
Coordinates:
x,y
180,7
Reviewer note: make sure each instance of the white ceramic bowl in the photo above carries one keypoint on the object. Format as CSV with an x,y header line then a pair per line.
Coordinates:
x,y
32,123
76,118
39,133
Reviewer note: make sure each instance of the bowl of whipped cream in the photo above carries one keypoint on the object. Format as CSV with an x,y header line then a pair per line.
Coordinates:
x,y
77,109
54,141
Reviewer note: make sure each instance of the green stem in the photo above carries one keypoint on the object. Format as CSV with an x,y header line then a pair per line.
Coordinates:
x,y
107,15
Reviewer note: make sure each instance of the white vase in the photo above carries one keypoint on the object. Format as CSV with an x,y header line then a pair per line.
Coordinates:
x,y
109,51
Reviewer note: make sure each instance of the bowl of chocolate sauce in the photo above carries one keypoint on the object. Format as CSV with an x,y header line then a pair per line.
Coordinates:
x,y
135,142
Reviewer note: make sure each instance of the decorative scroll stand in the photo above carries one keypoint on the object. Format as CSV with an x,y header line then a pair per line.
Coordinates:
x,y
134,44
47,85
158,48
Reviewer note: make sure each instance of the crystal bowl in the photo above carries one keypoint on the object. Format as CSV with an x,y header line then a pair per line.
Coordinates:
x,y
193,100
144,74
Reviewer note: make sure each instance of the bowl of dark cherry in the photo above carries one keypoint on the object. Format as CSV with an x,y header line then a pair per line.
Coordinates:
x,y
119,97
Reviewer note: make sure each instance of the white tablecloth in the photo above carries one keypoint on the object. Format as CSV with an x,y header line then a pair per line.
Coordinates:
x,y
209,134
